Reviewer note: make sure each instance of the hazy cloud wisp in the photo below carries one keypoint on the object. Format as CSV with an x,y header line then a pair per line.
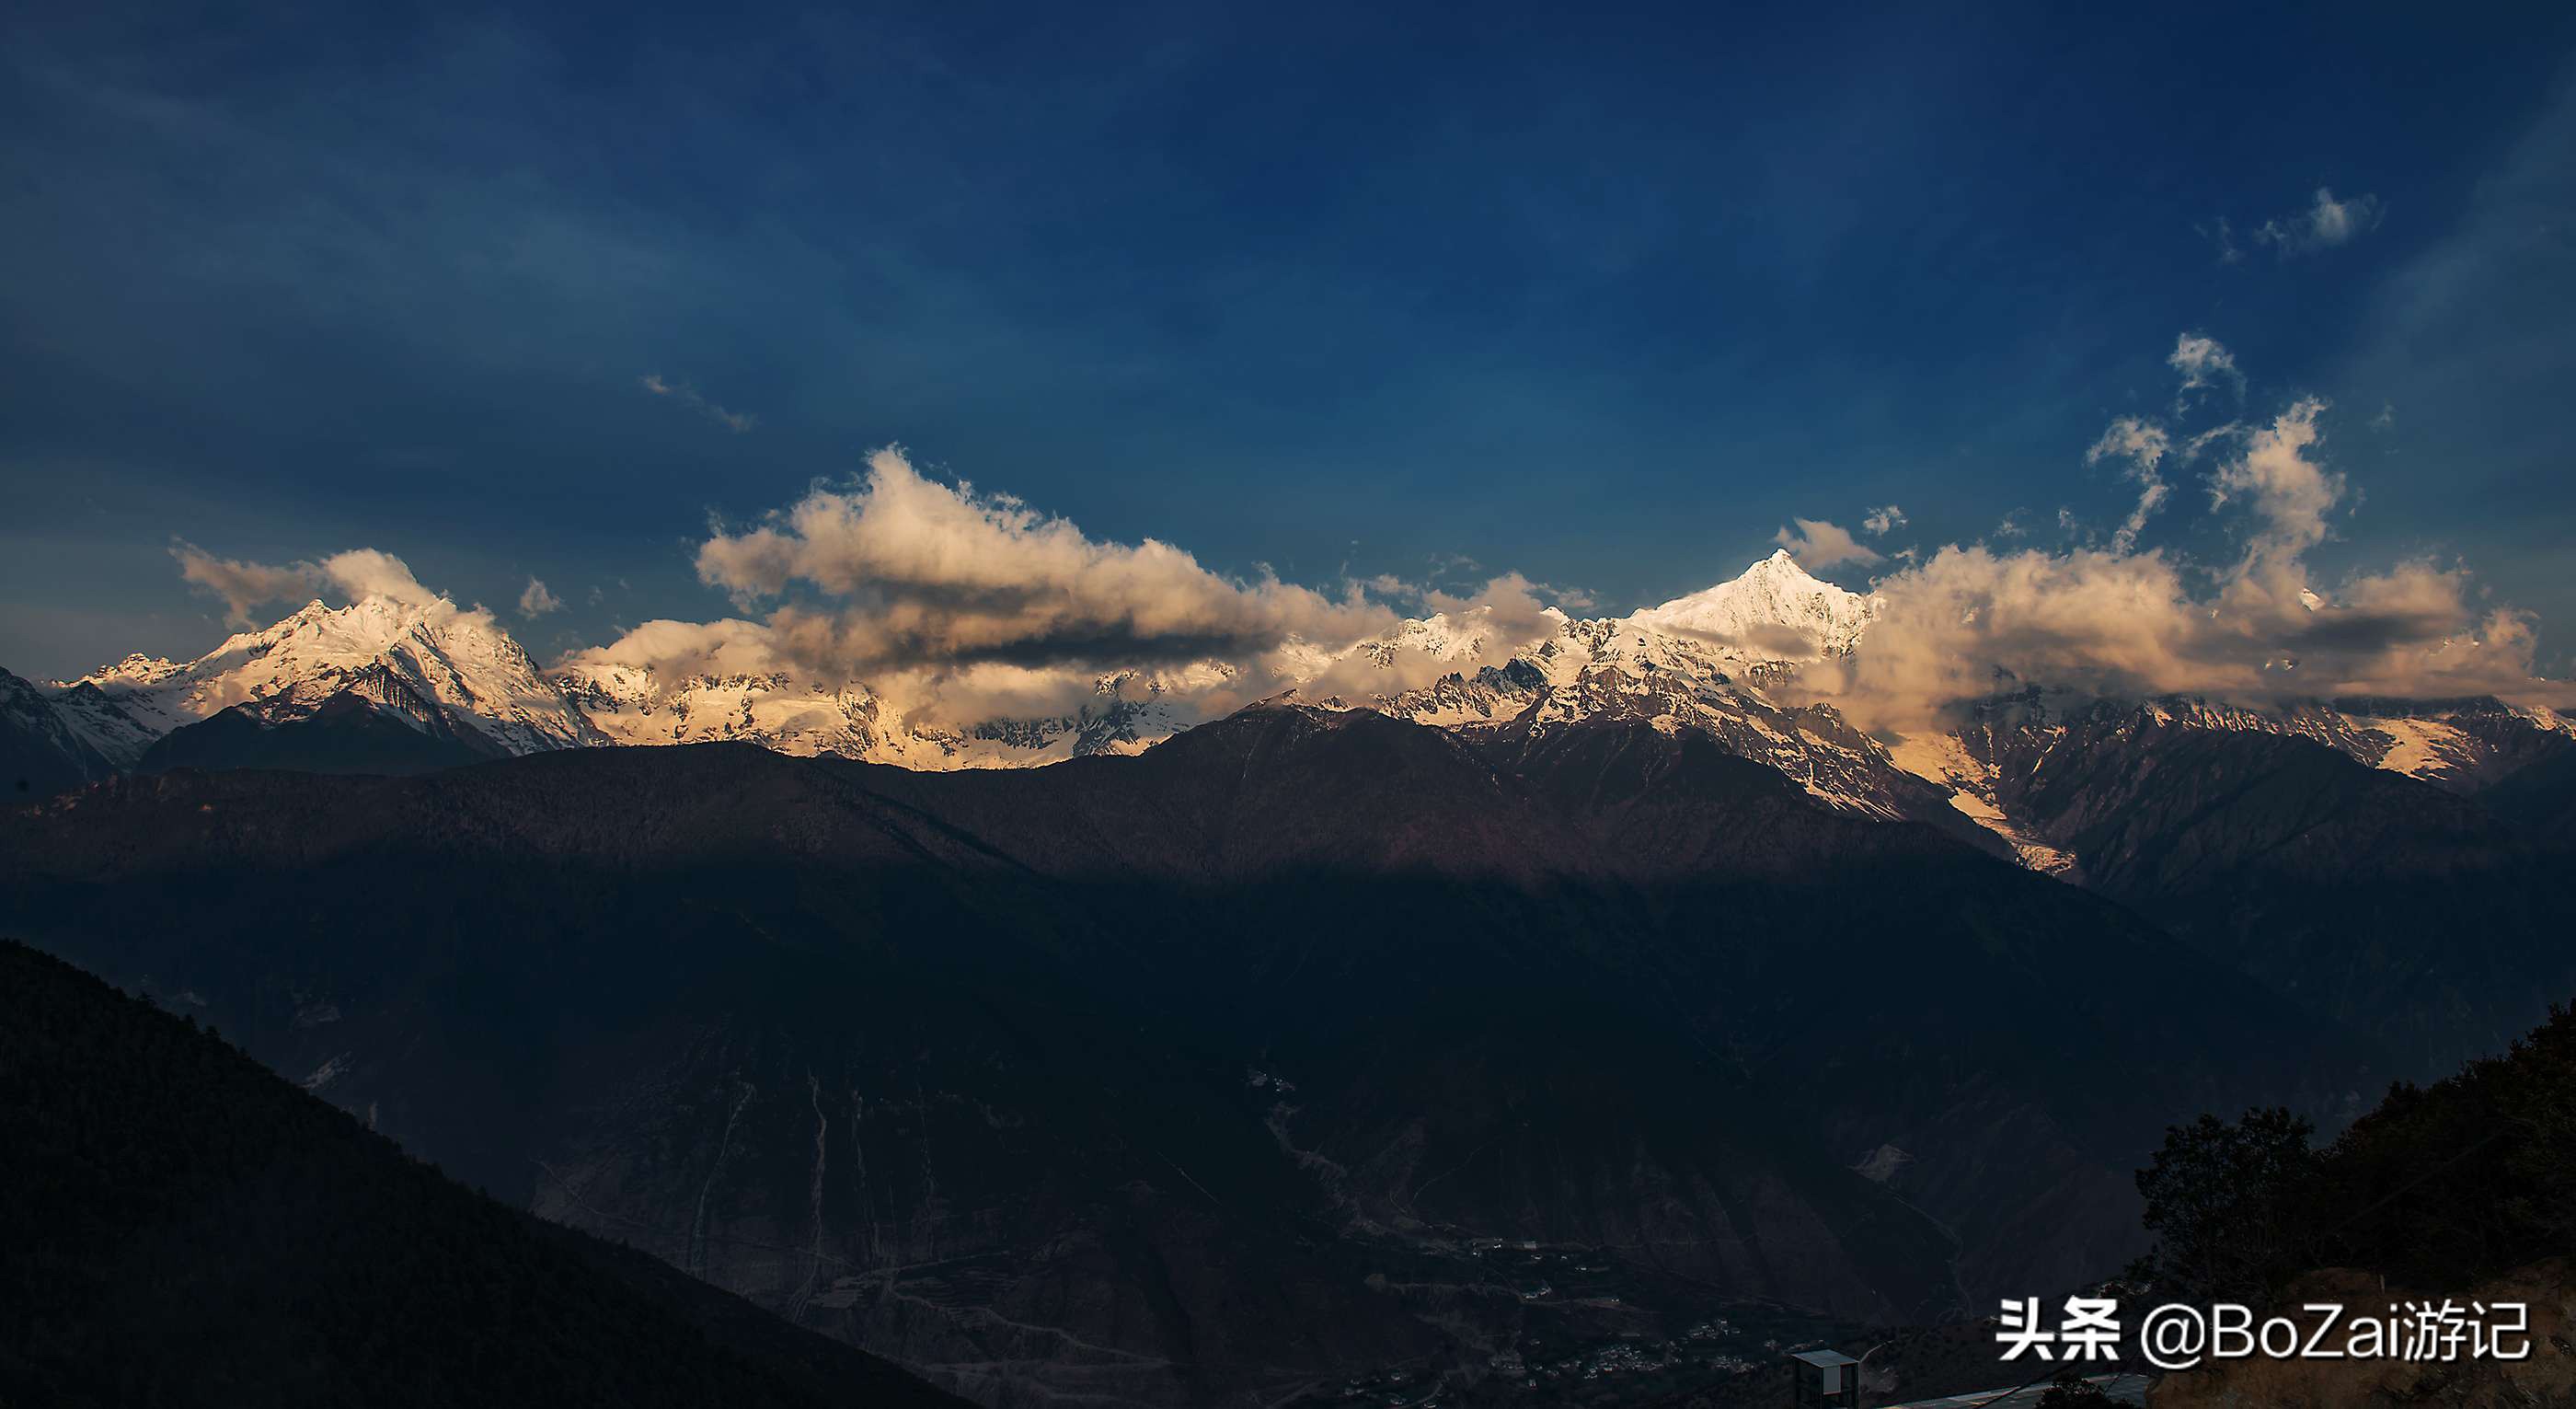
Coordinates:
x,y
1819,546
2326,223
244,585
686,395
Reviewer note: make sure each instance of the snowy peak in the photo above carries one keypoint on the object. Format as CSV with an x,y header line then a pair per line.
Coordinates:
x,y
1701,664
40,752
455,674
1768,619
436,666
1721,663
133,672
2461,746
1442,636
633,704
1775,610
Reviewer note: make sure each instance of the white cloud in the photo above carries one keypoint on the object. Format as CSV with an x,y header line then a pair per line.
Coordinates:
x,y
901,570
2326,223
956,606
1881,521
2204,363
244,585
2128,624
678,649
356,575
688,396
2144,445
1818,545
536,601
1505,616
2289,493
2223,235
362,573
2121,622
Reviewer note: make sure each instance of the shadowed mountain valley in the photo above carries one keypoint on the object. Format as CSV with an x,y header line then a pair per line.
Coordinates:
x,y
1207,1075
183,1227
2429,918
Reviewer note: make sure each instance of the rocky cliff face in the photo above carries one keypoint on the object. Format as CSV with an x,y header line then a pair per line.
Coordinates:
x,y
40,752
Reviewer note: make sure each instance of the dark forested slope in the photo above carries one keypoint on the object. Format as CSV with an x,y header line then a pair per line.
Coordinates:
x,y
1198,1076
180,1226
2432,922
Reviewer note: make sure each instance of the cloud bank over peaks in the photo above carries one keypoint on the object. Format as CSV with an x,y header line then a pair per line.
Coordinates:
x,y
2108,617
357,575
1461,633
954,606
951,606
902,571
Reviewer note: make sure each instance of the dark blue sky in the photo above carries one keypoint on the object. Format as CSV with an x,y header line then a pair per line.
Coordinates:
x,y
1603,296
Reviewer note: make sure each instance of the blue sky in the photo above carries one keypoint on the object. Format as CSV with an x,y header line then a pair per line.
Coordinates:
x,y
1604,297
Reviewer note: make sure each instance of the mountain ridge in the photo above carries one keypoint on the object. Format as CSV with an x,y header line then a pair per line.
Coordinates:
x,y
1478,1005
1723,662
185,1226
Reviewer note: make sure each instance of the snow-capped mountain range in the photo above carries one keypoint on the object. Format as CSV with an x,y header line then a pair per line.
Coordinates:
x,y
1708,662
442,669
1775,611
1715,662
635,705
455,674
